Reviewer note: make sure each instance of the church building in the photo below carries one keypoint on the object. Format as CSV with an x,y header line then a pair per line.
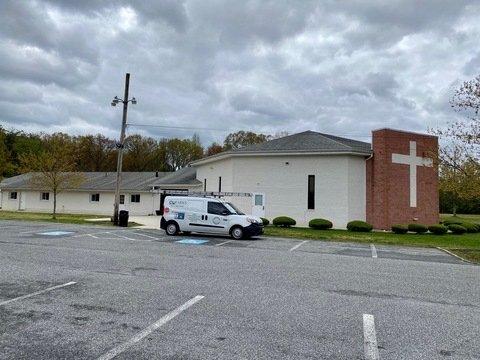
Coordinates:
x,y
314,175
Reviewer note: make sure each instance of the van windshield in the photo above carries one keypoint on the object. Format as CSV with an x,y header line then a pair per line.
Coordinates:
x,y
233,209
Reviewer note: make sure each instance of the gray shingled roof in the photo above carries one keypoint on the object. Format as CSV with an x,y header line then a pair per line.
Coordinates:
x,y
185,176
105,181
309,141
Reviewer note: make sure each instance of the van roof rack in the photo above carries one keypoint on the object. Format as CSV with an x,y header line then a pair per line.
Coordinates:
x,y
205,193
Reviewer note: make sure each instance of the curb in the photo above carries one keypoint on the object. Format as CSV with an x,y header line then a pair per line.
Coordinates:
x,y
455,255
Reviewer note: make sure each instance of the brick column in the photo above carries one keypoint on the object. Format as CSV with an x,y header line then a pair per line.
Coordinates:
x,y
389,199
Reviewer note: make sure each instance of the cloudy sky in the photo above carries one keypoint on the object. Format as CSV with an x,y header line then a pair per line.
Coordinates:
x,y
342,67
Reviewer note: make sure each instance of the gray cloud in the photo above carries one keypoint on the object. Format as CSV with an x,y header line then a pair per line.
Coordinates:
x,y
334,66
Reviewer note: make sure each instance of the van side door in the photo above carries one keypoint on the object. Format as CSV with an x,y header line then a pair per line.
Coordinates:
x,y
195,216
217,217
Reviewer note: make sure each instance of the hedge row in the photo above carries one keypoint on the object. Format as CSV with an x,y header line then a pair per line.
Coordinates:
x,y
439,229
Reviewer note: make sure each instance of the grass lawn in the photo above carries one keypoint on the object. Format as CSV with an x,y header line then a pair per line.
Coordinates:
x,y
467,245
61,218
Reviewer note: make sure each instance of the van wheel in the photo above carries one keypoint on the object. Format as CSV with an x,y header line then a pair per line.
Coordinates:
x,y
171,229
237,233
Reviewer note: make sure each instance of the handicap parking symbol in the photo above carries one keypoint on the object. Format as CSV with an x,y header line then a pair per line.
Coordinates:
x,y
192,241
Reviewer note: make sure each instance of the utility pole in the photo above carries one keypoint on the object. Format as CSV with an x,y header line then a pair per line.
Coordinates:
x,y
121,145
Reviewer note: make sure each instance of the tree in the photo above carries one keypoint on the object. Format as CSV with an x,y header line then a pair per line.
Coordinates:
x,y
243,138
213,149
53,168
179,153
139,153
459,155
95,153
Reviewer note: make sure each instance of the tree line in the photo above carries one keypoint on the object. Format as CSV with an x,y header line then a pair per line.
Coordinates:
x,y
99,153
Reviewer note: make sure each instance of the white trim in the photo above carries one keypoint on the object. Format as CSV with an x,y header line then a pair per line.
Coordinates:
x,y
227,155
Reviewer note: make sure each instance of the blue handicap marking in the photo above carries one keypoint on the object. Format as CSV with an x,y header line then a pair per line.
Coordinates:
x,y
56,233
192,241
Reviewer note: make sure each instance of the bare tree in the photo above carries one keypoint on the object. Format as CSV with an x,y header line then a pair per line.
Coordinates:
x,y
459,155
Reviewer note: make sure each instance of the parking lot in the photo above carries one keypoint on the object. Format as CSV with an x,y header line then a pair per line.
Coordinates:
x,y
92,292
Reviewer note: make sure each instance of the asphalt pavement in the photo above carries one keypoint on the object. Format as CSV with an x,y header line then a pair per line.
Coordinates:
x,y
93,292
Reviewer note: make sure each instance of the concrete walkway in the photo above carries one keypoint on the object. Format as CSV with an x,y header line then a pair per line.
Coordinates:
x,y
147,222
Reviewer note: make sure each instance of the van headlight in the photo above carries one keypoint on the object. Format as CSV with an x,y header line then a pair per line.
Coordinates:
x,y
252,220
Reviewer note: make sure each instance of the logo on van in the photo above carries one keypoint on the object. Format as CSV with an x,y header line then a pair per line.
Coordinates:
x,y
216,220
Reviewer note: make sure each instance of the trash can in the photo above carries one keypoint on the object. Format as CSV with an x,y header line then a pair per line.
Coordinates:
x,y
123,218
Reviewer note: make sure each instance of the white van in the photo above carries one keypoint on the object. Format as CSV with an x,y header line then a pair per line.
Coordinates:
x,y
207,215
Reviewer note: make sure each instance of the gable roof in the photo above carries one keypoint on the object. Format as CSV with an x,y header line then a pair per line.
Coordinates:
x,y
105,181
304,142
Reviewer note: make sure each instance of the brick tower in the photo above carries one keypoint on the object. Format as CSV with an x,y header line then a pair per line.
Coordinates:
x,y
402,179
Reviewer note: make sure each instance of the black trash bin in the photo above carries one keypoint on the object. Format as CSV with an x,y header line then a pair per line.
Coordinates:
x,y
123,218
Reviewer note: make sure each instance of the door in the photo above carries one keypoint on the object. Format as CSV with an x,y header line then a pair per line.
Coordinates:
x,y
217,217
21,201
258,205
196,216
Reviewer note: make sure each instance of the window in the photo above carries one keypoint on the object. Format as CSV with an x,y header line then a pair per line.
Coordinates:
x,y
216,208
13,195
258,200
122,199
94,197
45,196
311,191
219,184
204,184
135,198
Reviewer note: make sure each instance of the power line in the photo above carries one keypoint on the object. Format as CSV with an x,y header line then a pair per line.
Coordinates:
x,y
177,127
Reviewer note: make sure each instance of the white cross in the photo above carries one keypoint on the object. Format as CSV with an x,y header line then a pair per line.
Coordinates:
x,y
413,160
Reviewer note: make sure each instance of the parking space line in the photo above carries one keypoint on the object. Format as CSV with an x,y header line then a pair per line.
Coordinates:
x,y
127,238
298,245
370,346
223,243
151,328
147,236
37,293
374,251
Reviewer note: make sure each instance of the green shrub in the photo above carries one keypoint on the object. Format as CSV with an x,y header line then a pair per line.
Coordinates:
x,y
471,227
438,229
359,226
417,228
321,224
284,221
452,220
400,229
457,229
265,221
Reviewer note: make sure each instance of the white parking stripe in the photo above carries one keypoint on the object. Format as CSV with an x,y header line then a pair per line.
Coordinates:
x,y
147,331
147,236
374,251
223,243
37,293
370,346
298,245
127,238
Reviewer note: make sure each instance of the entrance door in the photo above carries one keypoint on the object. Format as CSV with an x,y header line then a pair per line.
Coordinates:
x,y
21,201
258,206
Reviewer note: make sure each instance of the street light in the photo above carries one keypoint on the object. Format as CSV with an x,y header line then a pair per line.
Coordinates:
x,y
120,145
